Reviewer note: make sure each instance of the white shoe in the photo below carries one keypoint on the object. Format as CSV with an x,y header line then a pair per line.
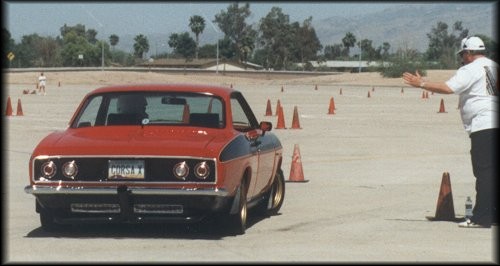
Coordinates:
x,y
469,224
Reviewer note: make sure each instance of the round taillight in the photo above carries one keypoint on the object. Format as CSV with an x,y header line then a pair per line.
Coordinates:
x,y
70,169
202,170
181,170
49,169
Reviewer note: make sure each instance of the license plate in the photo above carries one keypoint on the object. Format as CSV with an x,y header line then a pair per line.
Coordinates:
x,y
126,169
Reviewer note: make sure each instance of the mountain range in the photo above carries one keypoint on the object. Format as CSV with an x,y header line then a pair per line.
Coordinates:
x,y
408,26
402,26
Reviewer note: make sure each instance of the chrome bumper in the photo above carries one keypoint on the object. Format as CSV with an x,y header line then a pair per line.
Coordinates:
x,y
44,190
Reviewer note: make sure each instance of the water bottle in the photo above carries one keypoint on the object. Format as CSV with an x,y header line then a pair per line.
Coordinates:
x,y
468,208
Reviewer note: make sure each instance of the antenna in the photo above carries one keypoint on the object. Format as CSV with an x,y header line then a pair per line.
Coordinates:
x,y
102,26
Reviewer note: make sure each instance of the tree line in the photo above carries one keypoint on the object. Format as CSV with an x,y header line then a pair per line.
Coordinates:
x,y
275,43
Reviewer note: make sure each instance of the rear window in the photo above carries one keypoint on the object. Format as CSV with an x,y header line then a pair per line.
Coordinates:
x,y
152,108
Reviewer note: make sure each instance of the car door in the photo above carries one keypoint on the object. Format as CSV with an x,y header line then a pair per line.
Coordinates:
x,y
261,145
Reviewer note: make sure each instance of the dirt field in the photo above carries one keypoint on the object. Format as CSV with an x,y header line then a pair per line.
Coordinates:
x,y
374,170
116,77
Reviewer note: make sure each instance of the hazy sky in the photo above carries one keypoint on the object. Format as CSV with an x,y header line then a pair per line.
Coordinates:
x,y
46,18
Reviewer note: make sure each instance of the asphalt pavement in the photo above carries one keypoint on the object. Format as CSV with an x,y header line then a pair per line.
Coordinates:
x,y
374,169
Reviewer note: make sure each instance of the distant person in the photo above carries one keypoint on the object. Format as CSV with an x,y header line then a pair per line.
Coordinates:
x,y
41,83
476,83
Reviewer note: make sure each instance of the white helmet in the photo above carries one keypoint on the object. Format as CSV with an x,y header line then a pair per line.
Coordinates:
x,y
471,43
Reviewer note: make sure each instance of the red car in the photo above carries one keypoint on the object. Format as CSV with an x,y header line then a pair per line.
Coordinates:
x,y
157,152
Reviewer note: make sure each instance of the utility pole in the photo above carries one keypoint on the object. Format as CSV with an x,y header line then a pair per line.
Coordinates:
x,y
217,67
102,55
218,32
360,51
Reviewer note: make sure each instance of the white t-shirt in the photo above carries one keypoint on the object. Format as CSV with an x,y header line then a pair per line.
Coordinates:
x,y
42,80
478,92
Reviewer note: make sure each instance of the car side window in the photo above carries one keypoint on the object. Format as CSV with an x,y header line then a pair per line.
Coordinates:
x,y
242,116
113,106
89,115
240,121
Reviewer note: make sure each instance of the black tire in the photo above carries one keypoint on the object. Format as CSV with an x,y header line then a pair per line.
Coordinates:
x,y
238,221
274,198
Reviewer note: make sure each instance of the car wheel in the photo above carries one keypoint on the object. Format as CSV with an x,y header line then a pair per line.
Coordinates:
x,y
274,198
238,220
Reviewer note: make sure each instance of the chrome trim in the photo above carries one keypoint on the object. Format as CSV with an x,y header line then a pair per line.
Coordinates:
x,y
159,208
95,208
43,190
44,157
239,158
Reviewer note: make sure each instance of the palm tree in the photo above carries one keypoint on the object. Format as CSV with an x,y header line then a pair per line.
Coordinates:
x,y
349,40
141,45
113,40
197,25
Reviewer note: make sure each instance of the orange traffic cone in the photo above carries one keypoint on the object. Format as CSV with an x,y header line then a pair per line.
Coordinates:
x,y
441,107
444,210
281,119
331,108
19,108
278,106
268,108
295,120
8,111
185,114
296,171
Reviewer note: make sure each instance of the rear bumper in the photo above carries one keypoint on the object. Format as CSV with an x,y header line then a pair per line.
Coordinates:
x,y
129,204
45,190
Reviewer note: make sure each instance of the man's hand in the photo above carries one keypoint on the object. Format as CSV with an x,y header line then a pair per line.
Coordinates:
x,y
413,80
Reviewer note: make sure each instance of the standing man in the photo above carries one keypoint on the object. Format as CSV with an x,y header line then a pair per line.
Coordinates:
x,y
41,83
476,82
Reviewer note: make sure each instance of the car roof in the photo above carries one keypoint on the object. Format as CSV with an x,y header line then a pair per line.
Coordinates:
x,y
216,90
